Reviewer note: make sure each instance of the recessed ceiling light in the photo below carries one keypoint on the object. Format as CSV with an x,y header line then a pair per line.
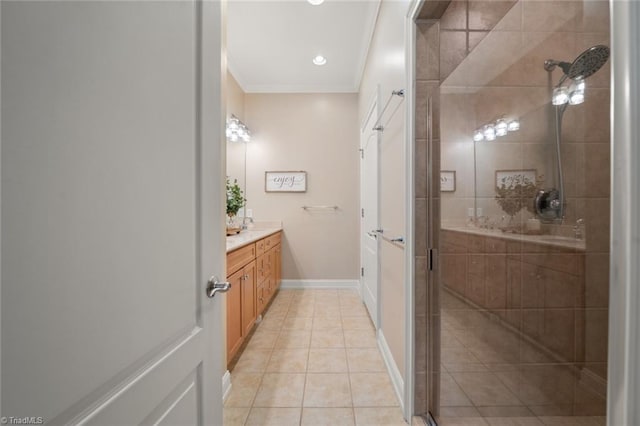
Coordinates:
x,y
319,60
315,2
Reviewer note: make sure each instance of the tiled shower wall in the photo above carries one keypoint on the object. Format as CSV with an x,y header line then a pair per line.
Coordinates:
x,y
452,68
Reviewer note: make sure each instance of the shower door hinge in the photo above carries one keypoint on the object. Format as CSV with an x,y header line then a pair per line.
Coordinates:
x,y
362,212
361,153
362,272
432,256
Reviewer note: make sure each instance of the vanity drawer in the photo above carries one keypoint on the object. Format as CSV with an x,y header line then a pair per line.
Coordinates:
x,y
238,258
272,241
260,245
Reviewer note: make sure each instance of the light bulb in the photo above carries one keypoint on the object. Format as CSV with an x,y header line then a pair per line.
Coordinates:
x,y
319,60
489,132
501,127
513,125
576,93
477,135
560,96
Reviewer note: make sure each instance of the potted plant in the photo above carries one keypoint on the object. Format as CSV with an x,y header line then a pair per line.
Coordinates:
x,y
235,201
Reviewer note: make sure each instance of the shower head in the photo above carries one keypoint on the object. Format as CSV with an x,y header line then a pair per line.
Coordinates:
x,y
585,65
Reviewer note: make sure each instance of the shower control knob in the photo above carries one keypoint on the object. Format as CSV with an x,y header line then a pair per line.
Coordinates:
x,y
554,204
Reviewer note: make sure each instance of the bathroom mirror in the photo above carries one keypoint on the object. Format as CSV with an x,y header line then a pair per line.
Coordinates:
x,y
236,151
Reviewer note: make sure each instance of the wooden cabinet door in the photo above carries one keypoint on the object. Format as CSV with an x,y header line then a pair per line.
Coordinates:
x,y
277,276
248,298
260,300
234,317
262,268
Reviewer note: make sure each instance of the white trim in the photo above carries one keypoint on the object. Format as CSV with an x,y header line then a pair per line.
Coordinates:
x,y
368,38
328,284
286,88
624,299
392,368
409,250
226,385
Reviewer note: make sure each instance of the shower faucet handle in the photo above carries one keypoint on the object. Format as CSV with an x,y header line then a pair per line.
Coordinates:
x,y
578,229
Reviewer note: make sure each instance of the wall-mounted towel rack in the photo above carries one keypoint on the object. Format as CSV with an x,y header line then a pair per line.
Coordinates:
x,y
396,240
380,127
319,207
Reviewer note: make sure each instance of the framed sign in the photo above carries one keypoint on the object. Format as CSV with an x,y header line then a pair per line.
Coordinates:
x,y
285,181
447,181
511,178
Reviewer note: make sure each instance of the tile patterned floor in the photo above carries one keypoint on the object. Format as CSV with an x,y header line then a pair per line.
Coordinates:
x,y
313,360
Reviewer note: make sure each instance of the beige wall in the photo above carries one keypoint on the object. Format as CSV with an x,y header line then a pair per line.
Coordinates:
x,y
317,133
386,67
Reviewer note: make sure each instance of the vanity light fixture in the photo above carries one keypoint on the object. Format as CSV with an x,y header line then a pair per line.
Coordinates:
x,y
237,131
499,128
315,2
319,60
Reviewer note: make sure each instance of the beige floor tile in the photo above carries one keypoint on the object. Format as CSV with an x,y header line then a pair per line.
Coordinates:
x,y
372,390
379,416
243,389
280,390
288,361
262,339
567,421
272,323
305,310
293,339
274,417
417,421
327,360
327,313
485,389
294,322
327,417
327,390
459,412
326,323
452,395
509,411
252,360
235,416
327,338
470,367
513,421
357,323
360,339
365,360
462,421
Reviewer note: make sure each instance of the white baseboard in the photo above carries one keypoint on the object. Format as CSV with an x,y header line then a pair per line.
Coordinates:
x,y
226,385
329,284
392,368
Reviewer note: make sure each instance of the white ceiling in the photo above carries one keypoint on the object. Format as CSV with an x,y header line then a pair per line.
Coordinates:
x,y
270,44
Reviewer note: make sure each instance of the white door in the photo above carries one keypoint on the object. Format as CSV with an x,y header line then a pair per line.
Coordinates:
x,y
369,223
112,168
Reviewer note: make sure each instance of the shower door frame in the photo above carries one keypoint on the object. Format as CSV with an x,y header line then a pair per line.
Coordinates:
x,y
624,295
624,306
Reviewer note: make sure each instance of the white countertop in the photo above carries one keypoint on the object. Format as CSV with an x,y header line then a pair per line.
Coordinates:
x,y
552,240
252,235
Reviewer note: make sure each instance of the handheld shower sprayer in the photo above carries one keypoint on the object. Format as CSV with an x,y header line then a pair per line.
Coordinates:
x,y
549,203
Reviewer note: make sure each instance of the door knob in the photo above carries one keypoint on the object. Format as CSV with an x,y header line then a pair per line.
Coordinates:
x,y
214,286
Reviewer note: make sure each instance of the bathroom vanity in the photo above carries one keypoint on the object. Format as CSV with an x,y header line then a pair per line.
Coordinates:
x,y
254,270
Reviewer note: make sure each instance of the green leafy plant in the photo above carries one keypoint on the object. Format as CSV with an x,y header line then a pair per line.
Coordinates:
x,y
235,200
